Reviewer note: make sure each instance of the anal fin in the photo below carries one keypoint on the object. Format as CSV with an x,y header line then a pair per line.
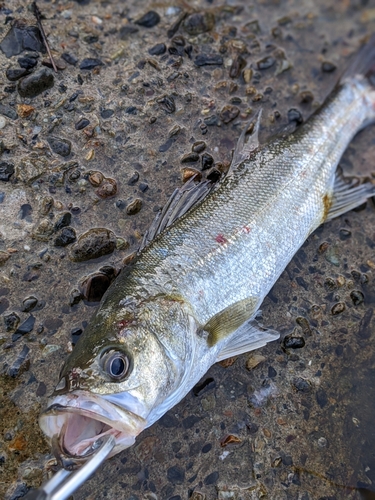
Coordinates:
x,y
348,194
251,335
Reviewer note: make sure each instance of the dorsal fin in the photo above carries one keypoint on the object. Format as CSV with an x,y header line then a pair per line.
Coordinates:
x,y
246,146
181,200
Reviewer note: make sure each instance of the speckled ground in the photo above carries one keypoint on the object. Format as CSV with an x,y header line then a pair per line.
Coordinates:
x,y
285,424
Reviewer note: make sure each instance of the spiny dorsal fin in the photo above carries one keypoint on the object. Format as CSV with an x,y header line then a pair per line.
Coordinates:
x,y
245,147
182,200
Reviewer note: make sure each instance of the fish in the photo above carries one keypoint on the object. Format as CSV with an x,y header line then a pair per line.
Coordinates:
x,y
193,295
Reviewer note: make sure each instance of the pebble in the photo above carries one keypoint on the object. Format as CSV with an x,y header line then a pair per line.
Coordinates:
x,y
8,112
190,158
168,103
158,49
106,113
95,286
25,327
306,97
247,75
14,74
93,244
237,66
302,385
69,58
207,385
90,63
188,173
11,321
107,188
133,179
134,207
66,237
176,474
29,303
293,342
328,67
357,297
22,37
20,364
211,478
229,113
3,122
338,308
96,178
143,186
294,115
25,110
36,83
75,297
63,220
198,23
60,146
214,175
6,171
344,234
198,147
82,123
209,60
266,62
149,20
127,30
27,62
43,230
254,360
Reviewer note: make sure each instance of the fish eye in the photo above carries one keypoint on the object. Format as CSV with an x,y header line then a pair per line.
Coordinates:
x,y
116,364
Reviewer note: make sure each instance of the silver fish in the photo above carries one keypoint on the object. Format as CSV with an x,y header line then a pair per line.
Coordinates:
x,y
193,295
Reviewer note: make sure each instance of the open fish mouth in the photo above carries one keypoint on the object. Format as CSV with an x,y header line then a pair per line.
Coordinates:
x,y
77,423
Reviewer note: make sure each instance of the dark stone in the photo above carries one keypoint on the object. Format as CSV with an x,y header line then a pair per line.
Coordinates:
x,y
8,112
208,60
199,23
357,297
211,478
237,66
169,421
131,110
301,385
253,428
190,421
27,62
90,63
19,492
292,342
36,83
76,333
82,123
134,207
229,113
91,39
176,475
143,186
41,390
29,304
301,282
26,211
4,304
95,287
206,448
149,20
214,175
93,244
106,113
26,327
190,158
207,385
328,67
69,58
75,297
59,146
63,220
158,49
164,147
198,147
19,364
211,120
133,179
168,104
294,115
321,397
266,62
128,29
272,372
66,237
22,37
6,171
11,321
14,74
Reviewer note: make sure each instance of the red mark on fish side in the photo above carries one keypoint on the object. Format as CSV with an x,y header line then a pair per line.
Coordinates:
x,y
246,229
221,239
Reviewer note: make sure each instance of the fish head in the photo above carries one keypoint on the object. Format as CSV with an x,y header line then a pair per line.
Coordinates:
x,y
128,362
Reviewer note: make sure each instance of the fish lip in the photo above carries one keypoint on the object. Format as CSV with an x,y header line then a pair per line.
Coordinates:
x,y
76,422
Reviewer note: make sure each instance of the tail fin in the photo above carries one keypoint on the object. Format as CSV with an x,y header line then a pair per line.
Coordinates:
x,y
363,62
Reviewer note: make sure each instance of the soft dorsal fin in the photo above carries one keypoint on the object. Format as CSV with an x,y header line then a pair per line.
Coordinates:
x,y
181,200
348,194
246,146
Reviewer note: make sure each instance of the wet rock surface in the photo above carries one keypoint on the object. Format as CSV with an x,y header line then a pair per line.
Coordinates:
x,y
292,420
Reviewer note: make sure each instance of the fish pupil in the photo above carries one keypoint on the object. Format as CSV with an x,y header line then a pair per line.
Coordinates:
x,y
117,367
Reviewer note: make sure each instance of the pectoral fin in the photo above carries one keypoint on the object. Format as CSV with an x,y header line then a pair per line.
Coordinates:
x,y
347,194
245,146
230,319
248,337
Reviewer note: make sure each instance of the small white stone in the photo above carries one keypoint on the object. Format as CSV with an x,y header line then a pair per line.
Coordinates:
x,y
3,122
